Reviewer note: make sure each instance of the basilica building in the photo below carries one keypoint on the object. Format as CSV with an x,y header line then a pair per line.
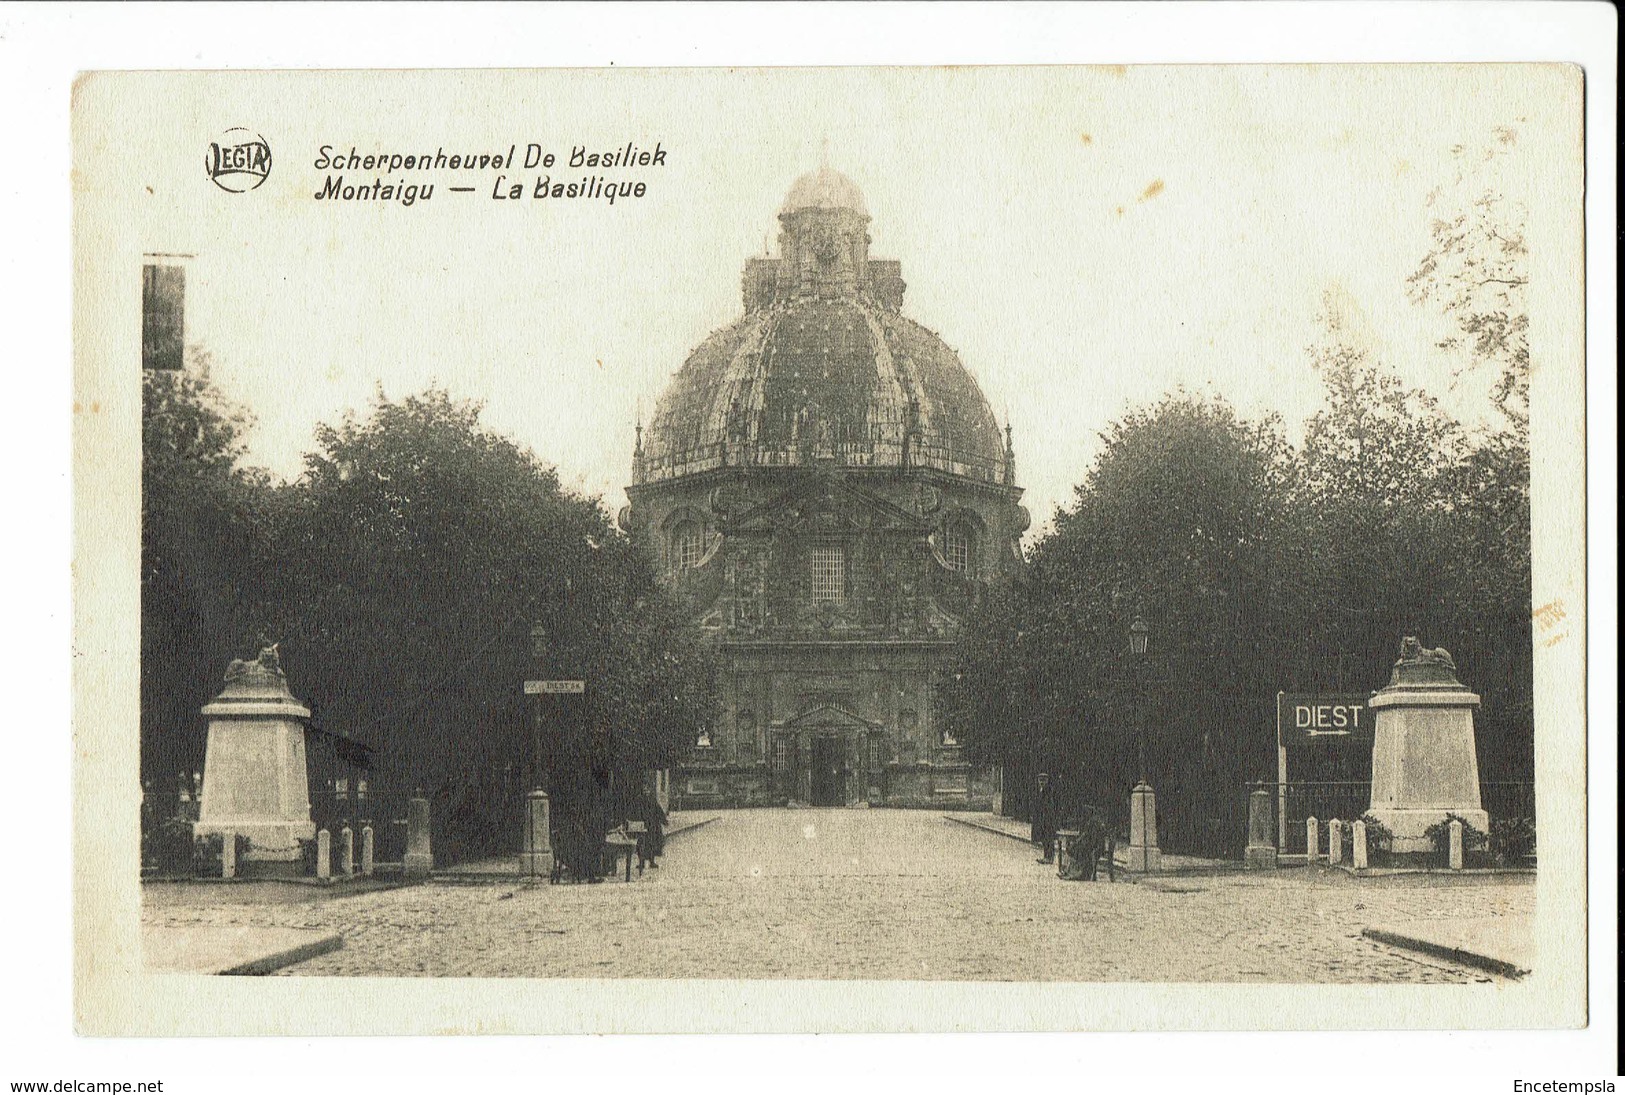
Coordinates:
x,y
825,484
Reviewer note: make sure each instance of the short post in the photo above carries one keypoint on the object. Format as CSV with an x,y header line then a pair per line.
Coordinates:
x,y
1260,844
1455,846
366,851
228,855
324,855
537,858
1312,839
1360,859
1143,853
1334,842
419,859
347,851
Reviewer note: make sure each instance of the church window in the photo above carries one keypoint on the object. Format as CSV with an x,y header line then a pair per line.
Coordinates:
x,y
687,541
828,575
956,546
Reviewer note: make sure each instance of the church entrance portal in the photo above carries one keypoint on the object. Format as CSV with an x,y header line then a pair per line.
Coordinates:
x,y
828,779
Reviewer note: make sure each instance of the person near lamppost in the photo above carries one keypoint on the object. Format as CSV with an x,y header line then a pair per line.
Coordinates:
x,y
1044,821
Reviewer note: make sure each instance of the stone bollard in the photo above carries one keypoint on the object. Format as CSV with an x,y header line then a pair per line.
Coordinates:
x,y
347,851
228,855
536,860
324,855
419,859
1143,853
1334,842
1455,846
366,851
1260,843
1360,859
1312,839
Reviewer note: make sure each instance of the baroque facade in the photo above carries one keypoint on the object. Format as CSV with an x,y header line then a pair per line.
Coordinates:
x,y
826,485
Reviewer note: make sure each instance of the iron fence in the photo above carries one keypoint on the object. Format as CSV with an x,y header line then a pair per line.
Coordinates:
x,y
1510,804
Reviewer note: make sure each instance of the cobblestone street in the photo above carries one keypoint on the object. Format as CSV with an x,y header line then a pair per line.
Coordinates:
x,y
870,894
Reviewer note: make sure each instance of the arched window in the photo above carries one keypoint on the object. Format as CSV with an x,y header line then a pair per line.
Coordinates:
x,y
687,544
957,541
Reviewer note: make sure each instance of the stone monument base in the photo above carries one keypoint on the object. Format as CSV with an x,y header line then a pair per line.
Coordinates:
x,y
1409,826
536,864
273,847
1261,857
254,781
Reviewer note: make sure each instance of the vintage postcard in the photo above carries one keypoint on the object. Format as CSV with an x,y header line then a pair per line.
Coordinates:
x,y
846,549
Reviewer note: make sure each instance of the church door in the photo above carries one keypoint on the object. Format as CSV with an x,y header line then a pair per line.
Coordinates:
x,y
828,779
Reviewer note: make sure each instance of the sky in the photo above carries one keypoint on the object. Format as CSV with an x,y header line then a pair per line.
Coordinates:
x,y
1086,238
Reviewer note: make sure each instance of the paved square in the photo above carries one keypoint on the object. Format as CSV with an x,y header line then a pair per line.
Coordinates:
x,y
882,894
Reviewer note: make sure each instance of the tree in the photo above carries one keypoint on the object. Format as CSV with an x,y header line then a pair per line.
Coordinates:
x,y
1476,272
203,531
415,554
1381,474
1190,518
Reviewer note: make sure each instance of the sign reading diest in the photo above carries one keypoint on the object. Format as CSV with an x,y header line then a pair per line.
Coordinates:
x,y
554,688
1321,715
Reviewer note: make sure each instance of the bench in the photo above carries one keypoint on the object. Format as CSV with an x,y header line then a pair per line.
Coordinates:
x,y
618,844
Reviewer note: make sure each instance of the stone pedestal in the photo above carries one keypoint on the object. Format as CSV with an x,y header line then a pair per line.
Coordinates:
x,y
1260,845
1361,859
347,851
366,851
1423,763
536,854
419,859
1143,853
1334,841
254,780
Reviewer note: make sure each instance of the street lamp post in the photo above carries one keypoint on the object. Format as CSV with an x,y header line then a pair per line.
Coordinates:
x,y
1139,637
1143,853
537,858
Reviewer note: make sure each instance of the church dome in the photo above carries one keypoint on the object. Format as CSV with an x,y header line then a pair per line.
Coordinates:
x,y
824,189
823,368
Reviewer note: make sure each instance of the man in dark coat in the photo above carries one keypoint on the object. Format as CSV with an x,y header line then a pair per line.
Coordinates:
x,y
652,841
1044,818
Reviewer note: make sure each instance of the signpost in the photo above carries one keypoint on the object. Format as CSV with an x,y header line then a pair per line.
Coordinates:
x,y
538,855
1330,733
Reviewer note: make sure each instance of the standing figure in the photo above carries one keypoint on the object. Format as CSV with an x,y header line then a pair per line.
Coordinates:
x,y
652,841
1044,818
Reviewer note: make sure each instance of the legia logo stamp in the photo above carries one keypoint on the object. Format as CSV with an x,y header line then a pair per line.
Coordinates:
x,y
239,161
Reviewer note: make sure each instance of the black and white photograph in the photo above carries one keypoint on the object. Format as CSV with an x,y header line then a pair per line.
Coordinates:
x,y
873,549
